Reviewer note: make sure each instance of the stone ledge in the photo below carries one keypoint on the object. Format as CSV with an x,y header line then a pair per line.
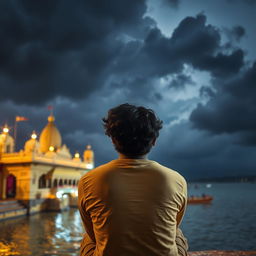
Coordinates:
x,y
222,253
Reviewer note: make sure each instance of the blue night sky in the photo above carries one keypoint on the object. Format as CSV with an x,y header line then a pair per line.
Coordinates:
x,y
193,62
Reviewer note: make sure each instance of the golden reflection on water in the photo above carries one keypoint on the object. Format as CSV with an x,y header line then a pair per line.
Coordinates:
x,y
44,234
21,234
8,249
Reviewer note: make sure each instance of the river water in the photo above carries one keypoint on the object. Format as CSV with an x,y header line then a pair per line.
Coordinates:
x,y
228,223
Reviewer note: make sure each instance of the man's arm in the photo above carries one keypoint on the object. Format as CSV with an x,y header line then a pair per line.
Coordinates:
x,y
181,213
87,222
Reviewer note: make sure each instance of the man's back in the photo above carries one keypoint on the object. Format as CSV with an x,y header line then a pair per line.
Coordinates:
x,y
132,207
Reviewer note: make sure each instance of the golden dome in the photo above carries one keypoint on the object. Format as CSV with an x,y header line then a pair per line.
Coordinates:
x,y
50,136
6,141
31,145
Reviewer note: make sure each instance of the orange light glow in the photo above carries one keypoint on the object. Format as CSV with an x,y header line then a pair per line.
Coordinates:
x,y
51,148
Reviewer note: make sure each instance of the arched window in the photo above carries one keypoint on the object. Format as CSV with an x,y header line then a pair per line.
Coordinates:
x,y
70,182
8,149
55,183
49,181
65,182
42,181
10,186
74,182
60,183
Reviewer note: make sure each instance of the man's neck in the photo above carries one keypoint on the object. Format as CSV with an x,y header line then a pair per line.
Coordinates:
x,y
122,156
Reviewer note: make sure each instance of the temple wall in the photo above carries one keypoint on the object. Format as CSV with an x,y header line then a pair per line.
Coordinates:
x,y
2,188
22,175
37,170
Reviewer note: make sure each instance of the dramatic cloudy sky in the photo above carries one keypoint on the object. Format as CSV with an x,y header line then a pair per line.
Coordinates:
x,y
193,62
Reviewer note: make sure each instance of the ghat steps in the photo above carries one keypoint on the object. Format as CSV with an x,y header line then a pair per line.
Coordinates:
x,y
11,209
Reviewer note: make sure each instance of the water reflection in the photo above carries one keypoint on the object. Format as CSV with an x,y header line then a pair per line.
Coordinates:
x,y
42,234
228,223
225,224
8,249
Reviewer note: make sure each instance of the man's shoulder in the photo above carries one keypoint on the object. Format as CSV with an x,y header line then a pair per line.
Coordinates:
x,y
96,171
170,173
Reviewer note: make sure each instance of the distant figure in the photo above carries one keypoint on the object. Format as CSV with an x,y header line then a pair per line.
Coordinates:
x,y
132,206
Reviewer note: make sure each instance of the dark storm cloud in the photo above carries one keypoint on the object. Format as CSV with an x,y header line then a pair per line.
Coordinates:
x,y
238,32
222,65
231,109
252,2
55,48
249,2
195,154
199,45
235,34
193,42
137,89
193,34
87,57
206,92
180,81
52,48
171,3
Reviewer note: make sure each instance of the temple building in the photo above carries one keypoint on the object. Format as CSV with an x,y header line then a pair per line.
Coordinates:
x,y
43,175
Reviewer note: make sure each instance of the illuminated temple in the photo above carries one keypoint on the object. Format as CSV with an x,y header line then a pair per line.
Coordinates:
x,y
44,175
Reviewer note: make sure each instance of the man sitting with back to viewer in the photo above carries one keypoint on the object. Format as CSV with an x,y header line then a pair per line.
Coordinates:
x,y
132,206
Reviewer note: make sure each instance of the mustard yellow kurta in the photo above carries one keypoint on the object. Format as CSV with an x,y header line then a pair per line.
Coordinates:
x,y
131,207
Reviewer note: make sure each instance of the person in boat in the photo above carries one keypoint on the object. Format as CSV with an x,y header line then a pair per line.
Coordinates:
x,y
132,205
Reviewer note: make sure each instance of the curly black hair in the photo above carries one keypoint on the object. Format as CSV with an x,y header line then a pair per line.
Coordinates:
x,y
132,129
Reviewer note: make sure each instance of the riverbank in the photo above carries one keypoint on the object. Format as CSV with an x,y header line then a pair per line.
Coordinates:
x,y
61,233
222,253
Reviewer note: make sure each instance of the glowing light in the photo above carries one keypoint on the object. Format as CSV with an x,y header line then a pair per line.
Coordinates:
x,y
89,166
5,129
77,155
51,118
59,194
51,148
33,136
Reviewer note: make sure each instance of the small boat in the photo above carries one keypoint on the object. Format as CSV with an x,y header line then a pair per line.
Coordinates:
x,y
200,199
